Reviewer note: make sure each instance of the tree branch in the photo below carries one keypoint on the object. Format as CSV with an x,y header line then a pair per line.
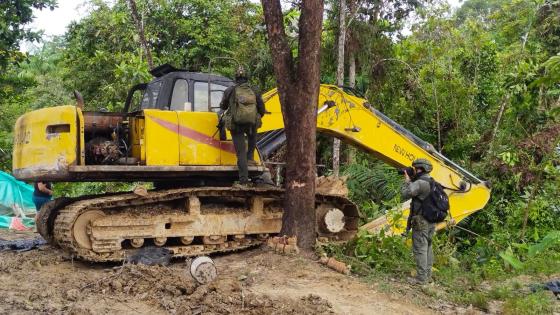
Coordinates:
x,y
140,30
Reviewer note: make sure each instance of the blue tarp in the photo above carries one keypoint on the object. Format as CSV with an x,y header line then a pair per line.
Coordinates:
x,y
16,200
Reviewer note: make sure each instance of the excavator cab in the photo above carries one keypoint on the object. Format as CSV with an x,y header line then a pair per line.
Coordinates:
x,y
179,90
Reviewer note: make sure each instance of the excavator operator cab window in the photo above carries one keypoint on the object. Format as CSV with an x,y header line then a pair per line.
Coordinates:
x,y
134,98
184,92
179,98
149,100
201,96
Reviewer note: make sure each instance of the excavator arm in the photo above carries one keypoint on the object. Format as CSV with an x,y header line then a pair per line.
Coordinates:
x,y
356,122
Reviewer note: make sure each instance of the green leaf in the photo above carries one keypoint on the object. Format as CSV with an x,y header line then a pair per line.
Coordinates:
x,y
549,240
509,257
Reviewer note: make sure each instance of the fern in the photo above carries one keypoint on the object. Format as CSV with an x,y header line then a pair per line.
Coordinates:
x,y
372,182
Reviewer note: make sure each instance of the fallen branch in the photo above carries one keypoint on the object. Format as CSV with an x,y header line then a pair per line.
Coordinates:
x,y
335,265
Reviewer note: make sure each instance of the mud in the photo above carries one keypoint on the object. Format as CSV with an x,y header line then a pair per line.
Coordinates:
x,y
125,216
45,281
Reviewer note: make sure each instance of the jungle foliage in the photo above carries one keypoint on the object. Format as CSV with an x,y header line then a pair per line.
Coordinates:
x,y
482,83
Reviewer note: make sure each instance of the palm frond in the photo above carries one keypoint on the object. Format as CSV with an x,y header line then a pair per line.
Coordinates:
x,y
372,181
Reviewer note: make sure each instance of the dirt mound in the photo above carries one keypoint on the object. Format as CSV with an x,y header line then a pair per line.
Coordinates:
x,y
44,281
331,185
141,281
172,290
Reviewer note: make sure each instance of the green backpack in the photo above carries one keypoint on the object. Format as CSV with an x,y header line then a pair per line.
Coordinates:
x,y
244,105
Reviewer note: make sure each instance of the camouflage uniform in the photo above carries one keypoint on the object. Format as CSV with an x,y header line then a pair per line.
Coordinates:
x,y
422,230
244,151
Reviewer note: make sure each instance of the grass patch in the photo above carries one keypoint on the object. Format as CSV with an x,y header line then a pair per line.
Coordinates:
x,y
471,277
538,303
502,292
477,299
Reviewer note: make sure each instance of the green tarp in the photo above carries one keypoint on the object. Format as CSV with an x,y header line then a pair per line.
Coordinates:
x,y
16,203
16,223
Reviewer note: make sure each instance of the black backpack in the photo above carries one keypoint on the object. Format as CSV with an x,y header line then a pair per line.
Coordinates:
x,y
436,205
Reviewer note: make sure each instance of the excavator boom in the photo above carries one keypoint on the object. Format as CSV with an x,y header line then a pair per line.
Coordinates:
x,y
355,121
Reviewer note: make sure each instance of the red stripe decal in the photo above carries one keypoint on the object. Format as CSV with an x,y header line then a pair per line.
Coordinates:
x,y
194,135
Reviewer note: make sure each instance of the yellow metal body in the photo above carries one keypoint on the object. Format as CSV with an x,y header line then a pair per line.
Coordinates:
x,y
46,143
50,141
185,138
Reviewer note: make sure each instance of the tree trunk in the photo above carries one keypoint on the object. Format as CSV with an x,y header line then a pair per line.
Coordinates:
x,y
351,156
298,89
352,70
339,75
140,30
341,42
438,118
336,157
497,122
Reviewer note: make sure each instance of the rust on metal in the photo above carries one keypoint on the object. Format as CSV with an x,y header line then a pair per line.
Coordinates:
x,y
101,122
152,173
102,151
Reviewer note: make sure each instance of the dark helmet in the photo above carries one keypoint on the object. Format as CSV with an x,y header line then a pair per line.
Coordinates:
x,y
240,74
423,164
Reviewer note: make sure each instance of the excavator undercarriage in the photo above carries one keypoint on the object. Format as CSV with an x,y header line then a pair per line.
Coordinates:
x,y
187,221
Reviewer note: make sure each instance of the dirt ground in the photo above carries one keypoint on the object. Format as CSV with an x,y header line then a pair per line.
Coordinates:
x,y
254,281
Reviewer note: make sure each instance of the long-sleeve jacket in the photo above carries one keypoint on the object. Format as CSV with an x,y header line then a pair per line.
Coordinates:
x,y
418,190
228,93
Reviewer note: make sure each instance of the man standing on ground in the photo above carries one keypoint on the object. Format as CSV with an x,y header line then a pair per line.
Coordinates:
x,y
244,110
42,194
417,187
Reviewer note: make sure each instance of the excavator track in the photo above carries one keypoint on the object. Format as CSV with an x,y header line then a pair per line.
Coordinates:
x,y
187,221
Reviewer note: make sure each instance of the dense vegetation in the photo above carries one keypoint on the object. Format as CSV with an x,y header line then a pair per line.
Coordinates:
x,y
481,83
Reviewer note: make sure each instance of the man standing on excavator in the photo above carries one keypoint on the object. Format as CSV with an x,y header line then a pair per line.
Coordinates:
x,y
244,109
417,186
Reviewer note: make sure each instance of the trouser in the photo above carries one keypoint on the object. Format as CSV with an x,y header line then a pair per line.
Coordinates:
x,y
39,201
244,151
422,233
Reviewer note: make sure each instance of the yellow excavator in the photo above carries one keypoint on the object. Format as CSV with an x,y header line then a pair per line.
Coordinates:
x,y
168,134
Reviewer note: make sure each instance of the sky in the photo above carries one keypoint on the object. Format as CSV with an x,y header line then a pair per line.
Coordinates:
x,y
54,23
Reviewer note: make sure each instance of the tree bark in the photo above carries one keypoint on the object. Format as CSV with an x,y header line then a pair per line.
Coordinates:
x,y
339,75
351,47
352,70
351,155
298,89
140,30
336,157
438,120
341,42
